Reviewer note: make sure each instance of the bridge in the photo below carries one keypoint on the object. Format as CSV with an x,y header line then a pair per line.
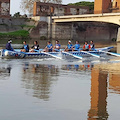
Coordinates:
x,y
106,17
113,18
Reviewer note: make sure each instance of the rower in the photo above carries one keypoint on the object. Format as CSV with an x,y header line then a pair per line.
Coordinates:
x,y
69,46
92,46
86,46
57,46
49,47
76,46
35,47
25,47
8,45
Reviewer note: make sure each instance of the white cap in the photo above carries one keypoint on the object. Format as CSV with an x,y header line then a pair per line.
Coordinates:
x,y
9,41
69,41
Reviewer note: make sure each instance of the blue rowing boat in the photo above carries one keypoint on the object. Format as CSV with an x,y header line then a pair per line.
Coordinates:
x,y
60,55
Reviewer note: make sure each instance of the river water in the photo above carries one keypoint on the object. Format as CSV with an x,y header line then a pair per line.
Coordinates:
x,y
51,89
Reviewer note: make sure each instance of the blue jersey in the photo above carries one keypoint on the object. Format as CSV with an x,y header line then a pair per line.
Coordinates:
x,y
69,46
26,47
76,46
49,46
57,46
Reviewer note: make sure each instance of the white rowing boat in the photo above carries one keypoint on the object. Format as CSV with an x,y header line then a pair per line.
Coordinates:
x,y
75,54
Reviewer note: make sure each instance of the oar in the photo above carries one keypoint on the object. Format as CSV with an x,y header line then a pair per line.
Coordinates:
x,y
104,49
75,56
52,55
1,53
92,54
111,53
38,50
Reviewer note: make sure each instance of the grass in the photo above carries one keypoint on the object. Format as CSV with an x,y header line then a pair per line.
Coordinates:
x,y
29,26
20,33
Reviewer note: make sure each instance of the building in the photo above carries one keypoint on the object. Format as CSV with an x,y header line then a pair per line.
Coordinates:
x,y
4,8
102,6
106,6
116,6
46,9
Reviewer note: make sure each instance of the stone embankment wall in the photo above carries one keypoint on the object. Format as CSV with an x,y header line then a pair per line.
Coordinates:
x,y
40,31
14,24
86,31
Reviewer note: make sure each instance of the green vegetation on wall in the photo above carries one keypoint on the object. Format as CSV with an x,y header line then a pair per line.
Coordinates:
x,y
84,3
20,33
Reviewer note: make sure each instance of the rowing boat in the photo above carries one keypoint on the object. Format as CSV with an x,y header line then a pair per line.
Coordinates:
x,y
76,54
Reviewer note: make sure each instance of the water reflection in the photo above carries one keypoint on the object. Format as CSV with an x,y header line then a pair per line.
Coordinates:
x,y
98,95
114,83
5,72
114,76
113,71
39,78
77,67
103,75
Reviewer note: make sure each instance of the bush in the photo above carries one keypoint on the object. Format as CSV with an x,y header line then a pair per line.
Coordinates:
x,y
114,39
43,38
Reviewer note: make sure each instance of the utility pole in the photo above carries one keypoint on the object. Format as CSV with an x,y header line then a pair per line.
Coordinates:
x,y
50,27
72,30
102,8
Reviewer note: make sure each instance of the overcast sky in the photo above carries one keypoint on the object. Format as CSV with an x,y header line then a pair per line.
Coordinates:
x,y
15,5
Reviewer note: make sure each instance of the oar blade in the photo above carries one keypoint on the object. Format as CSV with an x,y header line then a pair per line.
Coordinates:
x,y
78,56
95,55
52,55
92,54
114,54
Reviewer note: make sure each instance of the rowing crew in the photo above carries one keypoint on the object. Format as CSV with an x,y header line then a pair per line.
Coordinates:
x,y
76,47
56,48
69,47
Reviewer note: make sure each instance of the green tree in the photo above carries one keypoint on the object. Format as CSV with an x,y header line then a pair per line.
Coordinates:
x,y
84,3
17,15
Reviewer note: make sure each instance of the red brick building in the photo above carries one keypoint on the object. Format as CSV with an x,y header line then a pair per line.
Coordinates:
x,y
4,8
45,9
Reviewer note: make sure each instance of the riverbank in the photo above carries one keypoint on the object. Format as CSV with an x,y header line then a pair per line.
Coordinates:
x,y
30,30
20,34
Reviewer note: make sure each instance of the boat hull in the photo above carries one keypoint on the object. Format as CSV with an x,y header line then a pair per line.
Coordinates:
x,y
40,55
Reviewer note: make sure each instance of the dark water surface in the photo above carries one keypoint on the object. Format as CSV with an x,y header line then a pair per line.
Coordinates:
x,y
59,90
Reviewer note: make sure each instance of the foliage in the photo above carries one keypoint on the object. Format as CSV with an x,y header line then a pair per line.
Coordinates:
x,y
114,39
43,38
18,15
27,5
84,3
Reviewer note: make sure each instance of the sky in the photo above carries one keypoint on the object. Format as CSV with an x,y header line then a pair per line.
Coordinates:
x,y
15,5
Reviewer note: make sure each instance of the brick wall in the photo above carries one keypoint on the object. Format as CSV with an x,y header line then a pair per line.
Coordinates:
x,y
45,9
4,8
